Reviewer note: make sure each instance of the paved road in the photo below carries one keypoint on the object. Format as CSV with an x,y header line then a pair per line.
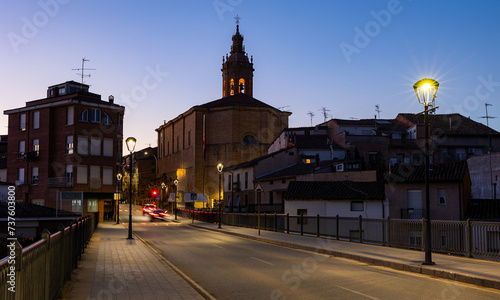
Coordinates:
x,y
236,268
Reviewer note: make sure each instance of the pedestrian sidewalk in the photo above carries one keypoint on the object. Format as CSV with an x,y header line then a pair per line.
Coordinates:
x,y
469,270
114,267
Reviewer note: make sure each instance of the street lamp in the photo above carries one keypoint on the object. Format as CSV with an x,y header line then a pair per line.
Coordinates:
x,y
426,92
119,177
176,182
130,146
220,166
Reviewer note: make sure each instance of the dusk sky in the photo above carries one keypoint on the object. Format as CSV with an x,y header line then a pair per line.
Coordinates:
x,y
160,58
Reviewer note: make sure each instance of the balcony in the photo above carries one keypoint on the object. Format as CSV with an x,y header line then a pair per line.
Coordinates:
x,y
59,182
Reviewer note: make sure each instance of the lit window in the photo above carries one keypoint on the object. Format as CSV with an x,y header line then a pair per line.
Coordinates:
x,y
95,115
241,85
231,87
84,116
69,144
76,205
92,205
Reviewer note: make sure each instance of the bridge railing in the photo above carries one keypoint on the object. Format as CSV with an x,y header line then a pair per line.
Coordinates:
x,y
465,238
40,270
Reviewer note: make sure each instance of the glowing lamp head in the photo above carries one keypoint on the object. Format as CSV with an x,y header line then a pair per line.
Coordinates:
x,y
426,90
220,166
130,144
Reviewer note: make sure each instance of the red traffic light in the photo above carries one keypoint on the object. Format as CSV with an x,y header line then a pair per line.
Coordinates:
x,y
154,193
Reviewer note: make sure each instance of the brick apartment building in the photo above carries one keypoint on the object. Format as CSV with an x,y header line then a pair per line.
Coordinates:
x,y
68,142
230,130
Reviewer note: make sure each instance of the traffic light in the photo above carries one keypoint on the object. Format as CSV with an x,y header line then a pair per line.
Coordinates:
x,y
154,193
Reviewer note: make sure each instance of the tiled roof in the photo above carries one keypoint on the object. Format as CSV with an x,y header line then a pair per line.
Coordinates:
x,y
296,170
28,210
446,172
483,209
335,190
451,124
241,100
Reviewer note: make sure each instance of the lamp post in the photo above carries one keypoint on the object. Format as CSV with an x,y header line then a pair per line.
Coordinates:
x,y
176,182
119,177
426,92
130,146
220,166
163,186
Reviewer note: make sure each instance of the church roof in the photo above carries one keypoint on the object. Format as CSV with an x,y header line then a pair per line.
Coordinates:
x,y
241,100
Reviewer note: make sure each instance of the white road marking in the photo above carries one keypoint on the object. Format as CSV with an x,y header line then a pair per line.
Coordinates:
x,y
217,246
263,261
358,293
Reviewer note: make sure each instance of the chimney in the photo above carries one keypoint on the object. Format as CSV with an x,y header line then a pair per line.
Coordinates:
x,y
111,99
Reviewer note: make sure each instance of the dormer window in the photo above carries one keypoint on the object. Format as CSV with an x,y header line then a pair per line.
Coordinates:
x,y
95,115
84,116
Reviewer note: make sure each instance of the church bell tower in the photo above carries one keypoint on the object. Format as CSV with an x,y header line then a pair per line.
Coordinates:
x,y
237,69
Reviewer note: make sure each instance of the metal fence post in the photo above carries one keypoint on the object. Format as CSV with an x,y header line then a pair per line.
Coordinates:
x,y
317,225
360,225
388,231
424,235
469,239
287,223
337,229
301,224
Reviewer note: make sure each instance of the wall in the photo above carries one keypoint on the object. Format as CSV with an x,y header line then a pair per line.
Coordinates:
x,y
372,208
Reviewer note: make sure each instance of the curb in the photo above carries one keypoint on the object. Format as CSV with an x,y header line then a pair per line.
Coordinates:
x,y
415,268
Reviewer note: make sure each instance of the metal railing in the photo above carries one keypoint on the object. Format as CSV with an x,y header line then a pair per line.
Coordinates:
x,y
40,270
465,238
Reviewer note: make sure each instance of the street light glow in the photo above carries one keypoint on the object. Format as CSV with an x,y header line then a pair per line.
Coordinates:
x,y
426,90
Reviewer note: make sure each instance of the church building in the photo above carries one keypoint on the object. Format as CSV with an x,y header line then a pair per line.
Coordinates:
x,y
230,130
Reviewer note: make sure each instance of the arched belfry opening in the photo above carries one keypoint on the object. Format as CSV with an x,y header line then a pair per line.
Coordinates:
x,y
237,69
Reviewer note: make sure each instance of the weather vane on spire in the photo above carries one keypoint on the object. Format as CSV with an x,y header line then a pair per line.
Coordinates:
x,y
237,18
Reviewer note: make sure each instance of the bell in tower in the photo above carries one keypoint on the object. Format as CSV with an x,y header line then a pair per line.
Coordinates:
x,y
237,69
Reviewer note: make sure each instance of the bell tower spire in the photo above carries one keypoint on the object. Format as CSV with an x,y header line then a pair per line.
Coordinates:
x,y
237,69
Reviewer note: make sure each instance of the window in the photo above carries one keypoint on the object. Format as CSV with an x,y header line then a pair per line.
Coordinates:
x,y
36,119
40,202
107,147
301,212
34,175
95,146
69,144
229,182
22,149
69,175
106,119
249,140
231,87
81,175
400,157
441,197
246,180
20,176
84,117
461,155
241,85
95,172
92,205
22,122
36,146
357,206
70,111
107,175
95,115
83,145
76,205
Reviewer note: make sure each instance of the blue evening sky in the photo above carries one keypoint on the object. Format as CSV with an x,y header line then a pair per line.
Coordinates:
x,y
160,58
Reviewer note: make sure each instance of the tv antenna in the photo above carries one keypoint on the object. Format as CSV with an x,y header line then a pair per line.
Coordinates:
x,y
487,117
83,69
377,109
325,113
283,107
311,114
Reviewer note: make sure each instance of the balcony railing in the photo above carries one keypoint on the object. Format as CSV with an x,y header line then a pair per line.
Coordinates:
x,y
59,182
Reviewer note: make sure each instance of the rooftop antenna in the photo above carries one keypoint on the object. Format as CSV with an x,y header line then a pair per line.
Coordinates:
x,y
83,69
283,107
325,112
311,114
487,117
377,109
